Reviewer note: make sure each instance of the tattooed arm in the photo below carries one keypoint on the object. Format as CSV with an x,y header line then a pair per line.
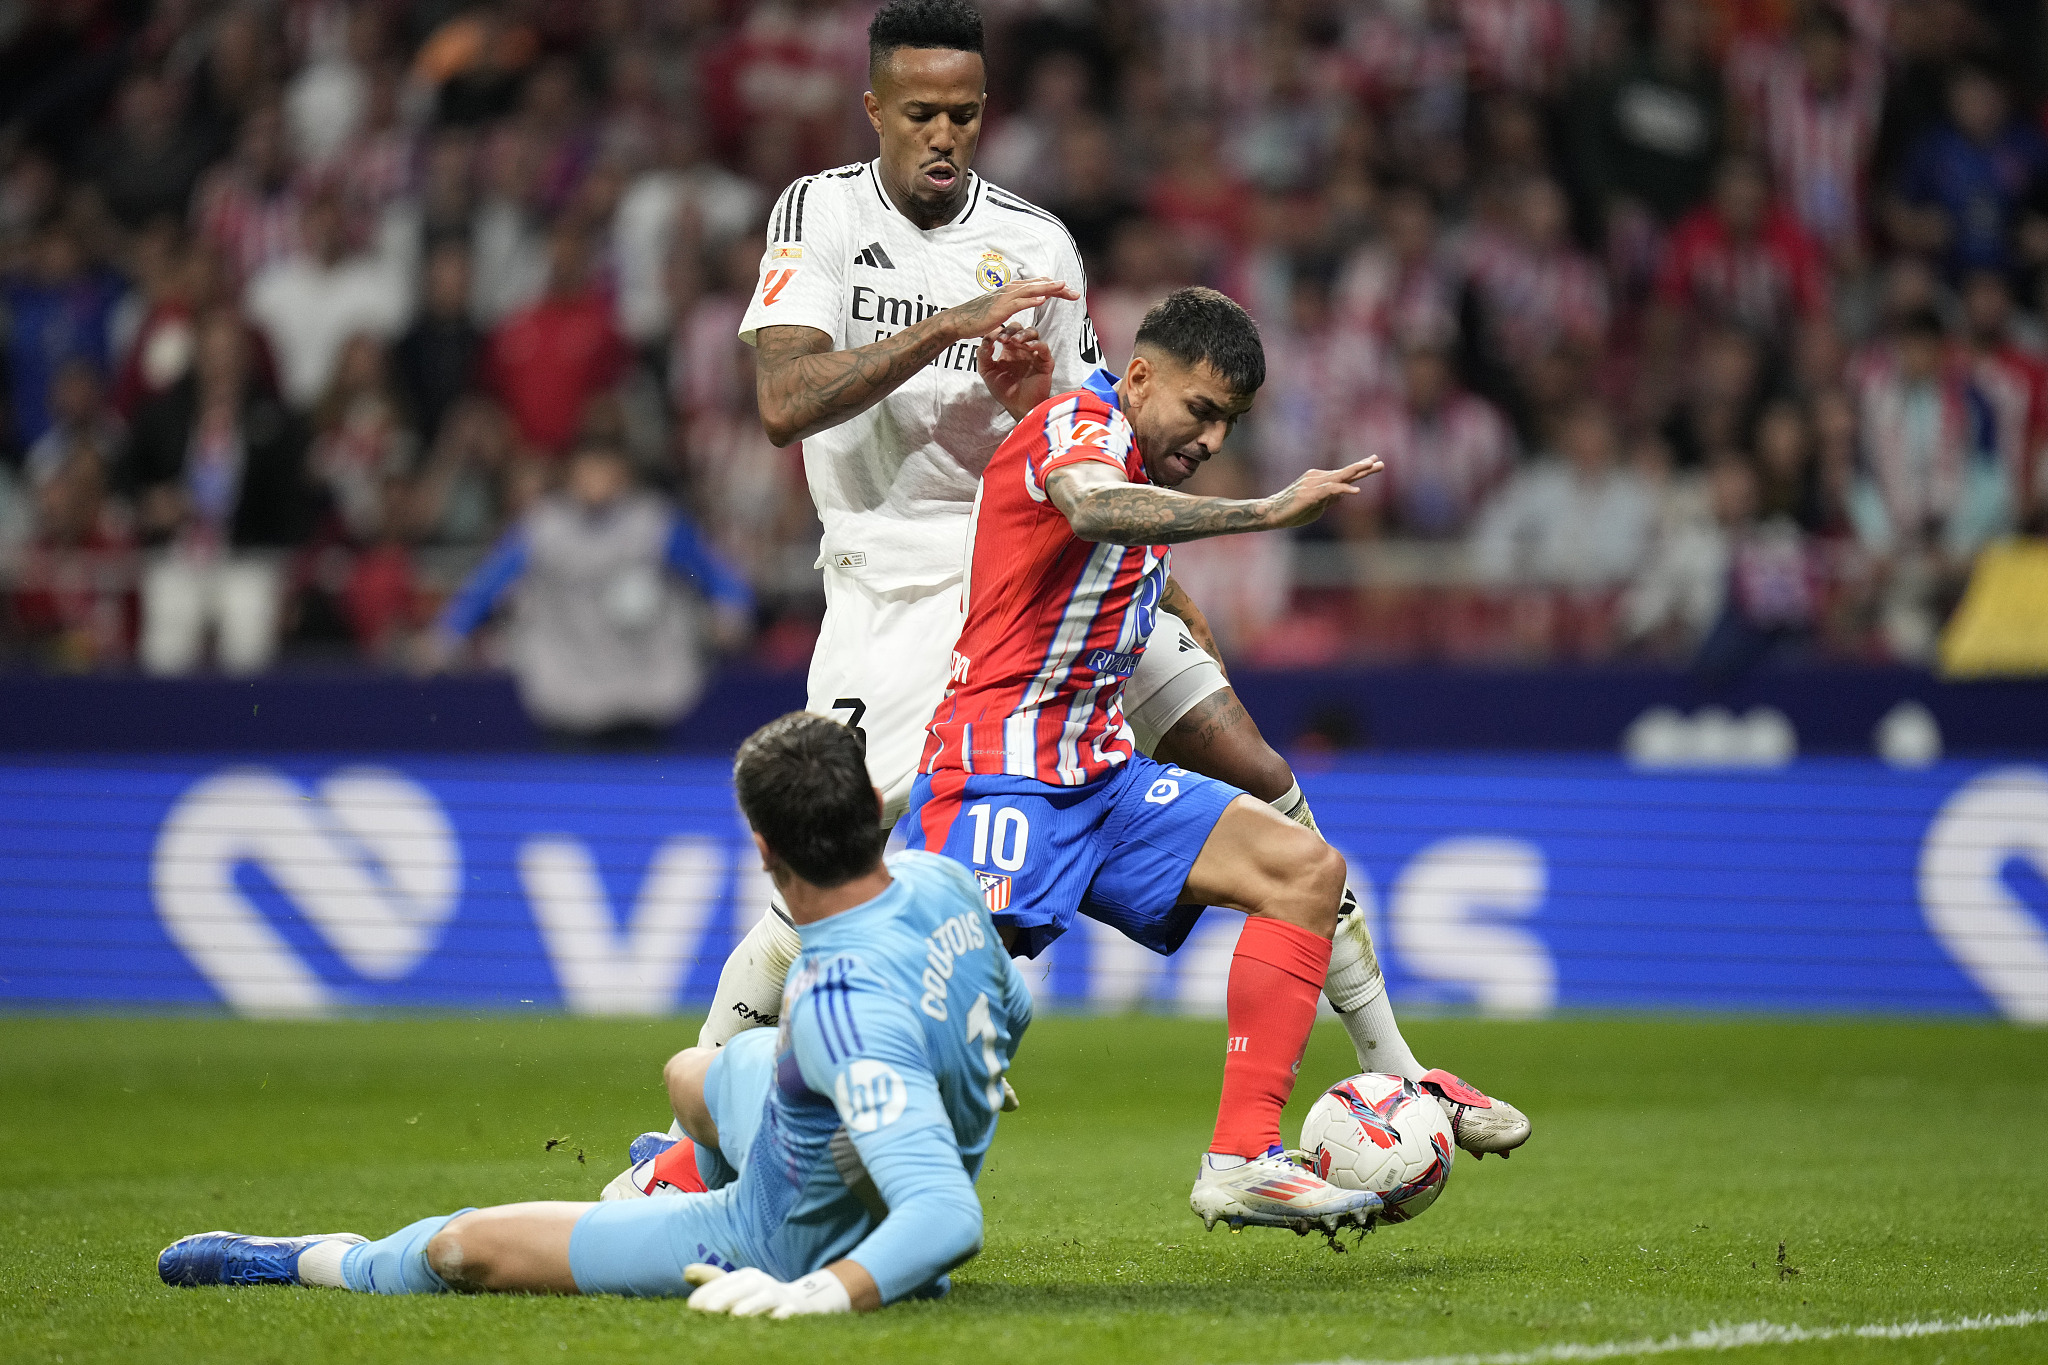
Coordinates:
x,y
804,386
1176,600
1102,505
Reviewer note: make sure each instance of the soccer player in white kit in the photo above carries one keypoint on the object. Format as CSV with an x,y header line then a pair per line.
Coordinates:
x,y
891,338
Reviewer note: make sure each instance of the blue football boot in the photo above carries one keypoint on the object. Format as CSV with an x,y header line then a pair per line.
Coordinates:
x,y
234,1258
647,1146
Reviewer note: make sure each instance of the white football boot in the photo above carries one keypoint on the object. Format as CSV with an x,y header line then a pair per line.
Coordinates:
x,y
1272,1192
639,1180
1479,1122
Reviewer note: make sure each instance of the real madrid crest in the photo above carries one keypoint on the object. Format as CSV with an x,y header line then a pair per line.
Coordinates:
x,y
991,272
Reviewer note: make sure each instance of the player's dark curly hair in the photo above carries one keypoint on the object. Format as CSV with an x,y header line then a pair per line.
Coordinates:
x,y
1196,324
953,24
803,785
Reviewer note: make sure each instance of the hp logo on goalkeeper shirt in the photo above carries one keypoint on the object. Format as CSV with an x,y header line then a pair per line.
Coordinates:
x,y
870,1094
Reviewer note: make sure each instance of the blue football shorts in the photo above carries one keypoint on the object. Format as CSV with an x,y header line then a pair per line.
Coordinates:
x,y
1117,850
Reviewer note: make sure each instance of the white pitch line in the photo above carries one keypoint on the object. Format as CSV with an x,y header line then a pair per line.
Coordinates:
x,y
1726,1338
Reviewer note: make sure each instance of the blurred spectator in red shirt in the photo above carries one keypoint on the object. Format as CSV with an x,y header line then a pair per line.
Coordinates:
x,y
1445,449
1196,198
547,361
380,598
785,86
1742,260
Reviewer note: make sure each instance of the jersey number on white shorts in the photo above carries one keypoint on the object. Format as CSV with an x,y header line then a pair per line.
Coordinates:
x,y
859,709
1012,836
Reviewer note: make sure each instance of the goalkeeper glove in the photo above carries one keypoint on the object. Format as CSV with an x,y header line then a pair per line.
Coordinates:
x,y
751,1293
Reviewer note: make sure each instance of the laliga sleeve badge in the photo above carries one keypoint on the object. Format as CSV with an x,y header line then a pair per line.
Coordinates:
x,y
991,272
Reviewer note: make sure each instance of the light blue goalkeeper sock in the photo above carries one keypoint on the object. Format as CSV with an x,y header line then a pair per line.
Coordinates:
x,y
397,1264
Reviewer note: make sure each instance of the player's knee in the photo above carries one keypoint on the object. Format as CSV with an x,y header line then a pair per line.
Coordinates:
x,y
1319,884
682,1069
452,1255
683,1077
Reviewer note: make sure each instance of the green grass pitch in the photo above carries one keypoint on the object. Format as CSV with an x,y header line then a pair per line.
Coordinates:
x,y
1900,1165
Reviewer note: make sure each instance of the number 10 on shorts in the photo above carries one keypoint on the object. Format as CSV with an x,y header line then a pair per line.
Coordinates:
x,y
1011,836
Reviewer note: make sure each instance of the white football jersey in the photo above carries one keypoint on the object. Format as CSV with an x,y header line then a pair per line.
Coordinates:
x,y
894,486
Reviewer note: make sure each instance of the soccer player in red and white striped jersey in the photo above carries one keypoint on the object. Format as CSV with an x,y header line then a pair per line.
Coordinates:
x,y
1030,775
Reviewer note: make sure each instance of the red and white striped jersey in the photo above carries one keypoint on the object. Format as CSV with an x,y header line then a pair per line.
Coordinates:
x,y
1054,624
1819,145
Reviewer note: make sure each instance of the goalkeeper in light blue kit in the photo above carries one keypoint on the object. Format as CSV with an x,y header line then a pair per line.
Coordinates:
x,y
840,1152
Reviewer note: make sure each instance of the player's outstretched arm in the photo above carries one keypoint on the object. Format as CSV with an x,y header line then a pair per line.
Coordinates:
x,y
1102,505
804,386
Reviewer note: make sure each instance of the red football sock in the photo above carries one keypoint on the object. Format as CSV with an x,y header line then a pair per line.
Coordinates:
x,y
1276,977
678,1167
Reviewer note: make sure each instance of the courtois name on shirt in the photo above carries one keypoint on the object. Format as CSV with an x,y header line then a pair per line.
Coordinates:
x,y
960,934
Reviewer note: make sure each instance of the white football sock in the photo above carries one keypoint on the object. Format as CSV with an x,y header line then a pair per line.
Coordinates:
x,y
1294,806
750,984
1354,985
320,1263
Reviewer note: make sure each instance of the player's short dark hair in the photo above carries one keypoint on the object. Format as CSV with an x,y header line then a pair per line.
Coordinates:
x,y
803,785
953,24
1195,324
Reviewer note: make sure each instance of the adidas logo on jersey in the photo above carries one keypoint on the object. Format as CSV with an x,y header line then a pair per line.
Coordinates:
x,y
873,255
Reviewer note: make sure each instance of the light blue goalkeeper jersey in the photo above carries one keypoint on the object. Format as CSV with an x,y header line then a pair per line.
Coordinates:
x,y
898,1022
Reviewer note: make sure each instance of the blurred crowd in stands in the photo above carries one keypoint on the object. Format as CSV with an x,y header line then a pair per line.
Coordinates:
x,y
1701,331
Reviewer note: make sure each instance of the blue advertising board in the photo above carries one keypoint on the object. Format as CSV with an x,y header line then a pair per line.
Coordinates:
x,y
1513,886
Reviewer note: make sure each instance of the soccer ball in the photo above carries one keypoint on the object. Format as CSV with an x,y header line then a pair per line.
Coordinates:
x,y
1381,1133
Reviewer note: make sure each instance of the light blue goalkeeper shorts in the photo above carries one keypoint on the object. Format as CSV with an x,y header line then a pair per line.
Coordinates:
x,y
638,1247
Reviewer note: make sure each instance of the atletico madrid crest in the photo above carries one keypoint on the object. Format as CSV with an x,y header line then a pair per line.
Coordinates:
x,y
995,889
